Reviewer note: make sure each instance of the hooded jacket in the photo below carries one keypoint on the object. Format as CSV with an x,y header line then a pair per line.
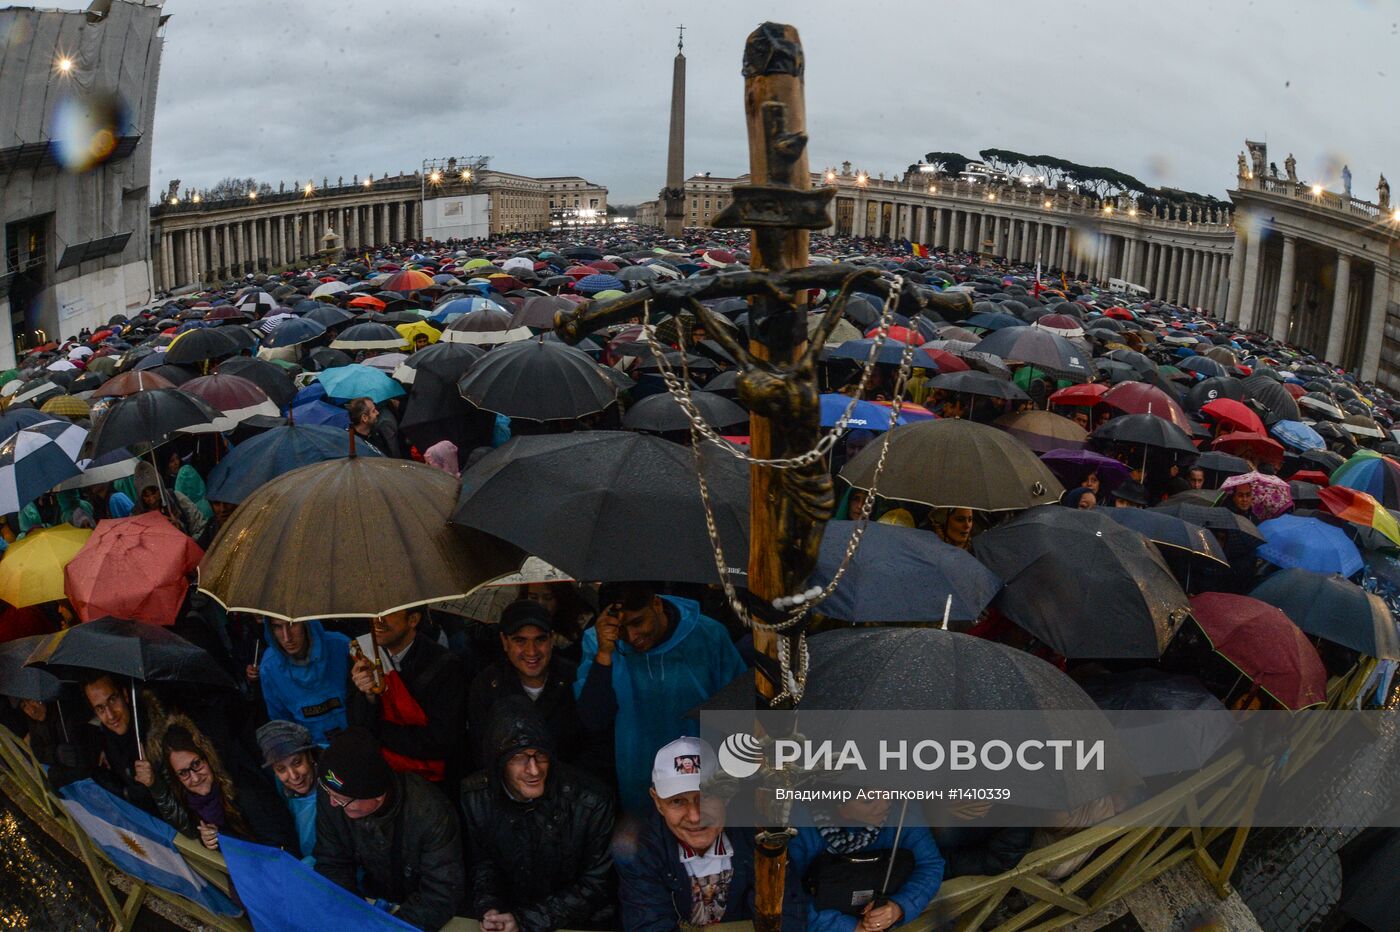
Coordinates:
x,y
425,876
545,861
177,505
652,691
310,692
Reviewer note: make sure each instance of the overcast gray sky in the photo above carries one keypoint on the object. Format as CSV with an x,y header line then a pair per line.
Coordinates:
x,y
1166,90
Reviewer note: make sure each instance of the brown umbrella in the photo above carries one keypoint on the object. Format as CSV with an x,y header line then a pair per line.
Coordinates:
x,y
350,538
1044,431
129,383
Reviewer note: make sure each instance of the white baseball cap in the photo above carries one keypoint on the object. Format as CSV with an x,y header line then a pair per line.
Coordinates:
x,y
682,766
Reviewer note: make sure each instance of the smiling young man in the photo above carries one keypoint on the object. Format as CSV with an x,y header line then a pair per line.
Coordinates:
x,y
289,751
531,669
538,833
389,837
420,715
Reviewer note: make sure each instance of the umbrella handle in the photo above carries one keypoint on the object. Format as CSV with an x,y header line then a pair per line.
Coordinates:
x,y
136,722
947,610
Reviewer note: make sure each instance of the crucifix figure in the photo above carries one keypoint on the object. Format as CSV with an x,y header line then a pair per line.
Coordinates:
x,y
680,38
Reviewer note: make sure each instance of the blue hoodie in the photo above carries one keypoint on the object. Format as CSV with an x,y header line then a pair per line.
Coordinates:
x,y
311,693
913,896
655,689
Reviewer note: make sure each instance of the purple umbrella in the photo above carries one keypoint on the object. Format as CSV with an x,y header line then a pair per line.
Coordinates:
x,y
1072,467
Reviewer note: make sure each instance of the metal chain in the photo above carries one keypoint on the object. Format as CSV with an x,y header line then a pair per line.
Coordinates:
x,y
794,681
681,392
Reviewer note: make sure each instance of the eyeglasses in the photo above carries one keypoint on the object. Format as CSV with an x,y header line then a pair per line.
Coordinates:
x,y
540,759
196,766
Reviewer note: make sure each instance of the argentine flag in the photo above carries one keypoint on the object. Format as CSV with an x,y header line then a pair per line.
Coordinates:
x,y
264,876
140,845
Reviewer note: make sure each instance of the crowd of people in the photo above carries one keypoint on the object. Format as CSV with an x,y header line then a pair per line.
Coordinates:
x,y
531,759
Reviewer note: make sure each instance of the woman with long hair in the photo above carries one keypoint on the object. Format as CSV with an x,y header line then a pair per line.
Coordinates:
x,y
200,796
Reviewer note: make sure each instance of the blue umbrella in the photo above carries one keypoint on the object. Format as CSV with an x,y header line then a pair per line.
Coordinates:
x,y
295,331
901,574
320,412
268,455
1204,365
866,416
1333,608
11,422
891,353
359,381
592,284
1297,436
1308,543
450,310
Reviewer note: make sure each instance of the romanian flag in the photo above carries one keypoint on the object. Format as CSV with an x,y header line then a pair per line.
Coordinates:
x,y
919,250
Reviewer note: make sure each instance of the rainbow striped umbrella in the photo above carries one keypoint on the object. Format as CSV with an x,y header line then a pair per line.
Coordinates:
x,y
1372,473
1361,509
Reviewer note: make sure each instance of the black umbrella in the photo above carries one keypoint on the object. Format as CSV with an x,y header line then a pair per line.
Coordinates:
x,y
880,670
1212,518
978,383
127,648
726,384
23,682
329,316
1334,608
1278,405
1211,389
1041,349
1083,584
661,413
275,381
538,380
901,574
435,410
323,358
194,346
1169,742
953,463
148,417
1222,463
610,505
1167,530
1146,430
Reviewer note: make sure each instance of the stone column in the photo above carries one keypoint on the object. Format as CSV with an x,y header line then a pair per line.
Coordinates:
x,y
402,232
1173,274
1337,326
1066,238
226,257
279,243
1250,289
1375,324
1236,279
1222,283
1163,273
939,228
981,233
1190,275
1283,307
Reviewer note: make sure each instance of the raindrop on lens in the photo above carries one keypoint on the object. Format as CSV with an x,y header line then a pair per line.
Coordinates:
x,y
86,130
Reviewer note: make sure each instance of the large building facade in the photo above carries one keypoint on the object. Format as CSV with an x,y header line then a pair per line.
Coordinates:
x,y
196,241
77,105
1317,268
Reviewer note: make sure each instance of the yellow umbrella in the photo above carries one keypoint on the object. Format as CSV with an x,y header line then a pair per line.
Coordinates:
x,y
409,331
66,406
32,568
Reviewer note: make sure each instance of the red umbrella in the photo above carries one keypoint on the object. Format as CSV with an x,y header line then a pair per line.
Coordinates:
x,y
1141,398
1081,396
1119,313
232,396
603,265
1234,414
944,360
1258,447
1294,389
369,301
902,334
1315,476
580,271
411,280
1265,645
136,568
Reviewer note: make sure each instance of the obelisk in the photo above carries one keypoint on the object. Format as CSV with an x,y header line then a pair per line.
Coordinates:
x,y
674,193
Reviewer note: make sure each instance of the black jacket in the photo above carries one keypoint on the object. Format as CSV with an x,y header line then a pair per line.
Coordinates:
x,y
547,861
655,890
268,820
436,680
423,873
555,706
